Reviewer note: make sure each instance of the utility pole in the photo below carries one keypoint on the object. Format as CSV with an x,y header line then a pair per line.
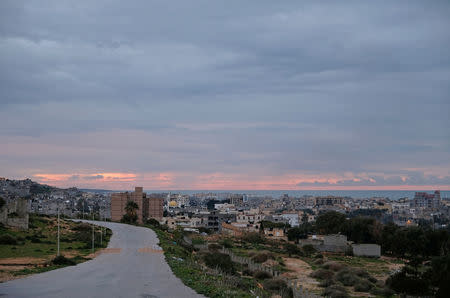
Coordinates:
x,y
101,234
93,233
57,254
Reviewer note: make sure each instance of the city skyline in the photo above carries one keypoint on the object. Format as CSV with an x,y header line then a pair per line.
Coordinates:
x,y
254,96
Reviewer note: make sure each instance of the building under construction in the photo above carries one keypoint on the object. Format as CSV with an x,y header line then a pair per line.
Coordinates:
x,y
148,207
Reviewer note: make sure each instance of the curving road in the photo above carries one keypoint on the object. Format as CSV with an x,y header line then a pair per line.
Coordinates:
x,y
132,267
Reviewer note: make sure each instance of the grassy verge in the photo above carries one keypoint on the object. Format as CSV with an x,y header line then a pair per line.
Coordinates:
x,y
24,252
186,265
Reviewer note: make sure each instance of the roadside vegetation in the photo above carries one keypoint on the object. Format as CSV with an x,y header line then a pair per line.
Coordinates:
x,y
24,252
210,272
415,261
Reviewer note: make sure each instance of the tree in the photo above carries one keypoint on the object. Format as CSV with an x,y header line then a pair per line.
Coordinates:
x,y
2,202
330,222
131,212
363,230
294,234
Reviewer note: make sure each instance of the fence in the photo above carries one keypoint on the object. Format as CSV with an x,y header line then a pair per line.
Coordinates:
x,y
251,265
297,289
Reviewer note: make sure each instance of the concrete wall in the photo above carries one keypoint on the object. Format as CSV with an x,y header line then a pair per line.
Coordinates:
x,y
15,213
367,250
335,240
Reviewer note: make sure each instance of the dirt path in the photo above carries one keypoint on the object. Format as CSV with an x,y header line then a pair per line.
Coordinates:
x,y
300,270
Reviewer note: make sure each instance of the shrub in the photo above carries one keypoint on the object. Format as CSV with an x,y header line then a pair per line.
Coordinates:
x,y
385,292
259,274
323,274
153,222
129,218
275,285
347,277
247,272
262,257
227,243
361,272
363,286
327,282
62,260
35,239
403,282
219,260
318,262
308,250
335,291
318,256
253,237
292,249
334,266
82,227
214,246
8,239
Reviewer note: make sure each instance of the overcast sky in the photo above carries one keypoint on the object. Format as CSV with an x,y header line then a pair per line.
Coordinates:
x,y
226,94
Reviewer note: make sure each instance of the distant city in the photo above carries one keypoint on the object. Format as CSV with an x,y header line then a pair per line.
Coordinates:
x,y
240,209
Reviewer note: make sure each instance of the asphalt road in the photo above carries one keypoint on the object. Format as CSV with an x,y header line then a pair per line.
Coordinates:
x,y
133,267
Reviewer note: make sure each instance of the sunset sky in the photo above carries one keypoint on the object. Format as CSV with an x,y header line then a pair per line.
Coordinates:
x,y
232,95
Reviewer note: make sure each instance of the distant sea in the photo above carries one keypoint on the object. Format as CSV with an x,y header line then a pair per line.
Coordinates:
x,y
357,194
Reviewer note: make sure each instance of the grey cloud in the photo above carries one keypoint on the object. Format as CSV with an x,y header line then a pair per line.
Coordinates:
x,y
251,87
94,177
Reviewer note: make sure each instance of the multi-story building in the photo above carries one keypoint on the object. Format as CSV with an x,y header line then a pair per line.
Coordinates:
x,y
147,206
236,199
329,201
427,201
119,201
155,207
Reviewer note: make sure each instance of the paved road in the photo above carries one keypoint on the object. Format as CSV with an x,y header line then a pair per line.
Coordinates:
x,y
136,271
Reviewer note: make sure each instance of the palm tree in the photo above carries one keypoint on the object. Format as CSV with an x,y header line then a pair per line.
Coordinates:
x,y
131,208
131,215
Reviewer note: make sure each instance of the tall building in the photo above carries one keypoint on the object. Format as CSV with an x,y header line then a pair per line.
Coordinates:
x,y
155,207
236,199
119,201
426,200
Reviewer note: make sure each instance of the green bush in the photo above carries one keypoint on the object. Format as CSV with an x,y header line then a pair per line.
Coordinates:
x,y
214,246
347,277
327,282
253,237
292,249
262,257
323,274
220,261
275,285
227,243
335,291
82,227
62,260
247,272
259,274
129,218
334,266
153,222
363,286
385,292
308,250
319,262
8,239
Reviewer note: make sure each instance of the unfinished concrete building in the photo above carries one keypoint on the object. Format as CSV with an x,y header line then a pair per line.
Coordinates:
x,y
148,207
